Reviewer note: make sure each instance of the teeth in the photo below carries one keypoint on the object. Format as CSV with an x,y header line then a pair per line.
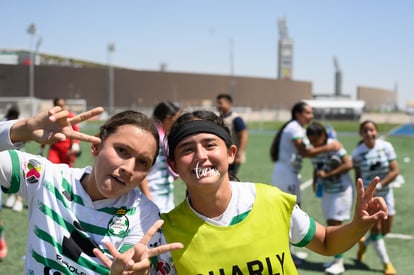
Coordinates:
x,y
120,180
205,171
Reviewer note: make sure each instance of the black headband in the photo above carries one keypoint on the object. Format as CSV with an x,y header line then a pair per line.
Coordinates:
x,y
196,127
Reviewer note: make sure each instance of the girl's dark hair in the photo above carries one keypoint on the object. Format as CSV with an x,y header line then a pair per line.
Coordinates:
x,y
12,113
165,109
129,117
56,100
362,125
197,115
316,129
274,149
225,96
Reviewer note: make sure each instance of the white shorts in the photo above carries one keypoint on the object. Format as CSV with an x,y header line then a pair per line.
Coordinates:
x,y
389,200
337,206
286,180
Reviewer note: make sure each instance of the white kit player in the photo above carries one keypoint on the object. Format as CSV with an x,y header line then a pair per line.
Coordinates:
x,y
74,211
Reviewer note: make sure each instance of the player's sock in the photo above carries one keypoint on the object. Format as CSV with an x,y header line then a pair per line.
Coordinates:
x,y
379,246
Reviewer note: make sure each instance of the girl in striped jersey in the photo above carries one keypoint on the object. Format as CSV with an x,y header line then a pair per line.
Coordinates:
x,y
159,184
74,212
375,157
331,171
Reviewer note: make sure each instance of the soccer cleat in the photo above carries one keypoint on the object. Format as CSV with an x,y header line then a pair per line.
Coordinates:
x,y
18,206
296,260
361,250
336,268
3,248
389,269
11,199
328,264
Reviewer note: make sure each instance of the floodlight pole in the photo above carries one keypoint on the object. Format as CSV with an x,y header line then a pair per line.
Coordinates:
x,y
110,49
231,55
31,30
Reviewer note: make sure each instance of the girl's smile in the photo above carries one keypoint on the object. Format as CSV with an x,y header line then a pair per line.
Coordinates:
x,y
205,171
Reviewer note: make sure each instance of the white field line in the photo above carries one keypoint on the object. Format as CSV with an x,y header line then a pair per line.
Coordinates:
x,y
399,236
306,184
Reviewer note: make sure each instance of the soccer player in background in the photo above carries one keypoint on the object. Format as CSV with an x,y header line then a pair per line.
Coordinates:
x,y
331,171
375,157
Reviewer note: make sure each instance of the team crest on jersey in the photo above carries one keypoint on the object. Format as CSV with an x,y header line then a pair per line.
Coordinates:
x,y
119,223
32,171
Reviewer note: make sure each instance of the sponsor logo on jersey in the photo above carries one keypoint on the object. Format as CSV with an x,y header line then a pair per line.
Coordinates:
x,y
32,171
163,268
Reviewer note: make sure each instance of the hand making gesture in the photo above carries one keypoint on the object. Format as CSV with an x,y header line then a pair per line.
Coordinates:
x,y
52,126
136,260
369,209
333,240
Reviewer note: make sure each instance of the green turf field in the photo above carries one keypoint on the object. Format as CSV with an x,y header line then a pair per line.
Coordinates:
x,y
258,169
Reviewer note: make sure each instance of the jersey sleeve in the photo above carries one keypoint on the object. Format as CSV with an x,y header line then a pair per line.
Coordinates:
x,y
302,227
21,172
297,132
342,152
5,170
355,158
390,152
5,142
239,124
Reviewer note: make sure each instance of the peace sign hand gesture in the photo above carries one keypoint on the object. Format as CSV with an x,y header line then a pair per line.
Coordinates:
x,y
369,209
136,260
52,126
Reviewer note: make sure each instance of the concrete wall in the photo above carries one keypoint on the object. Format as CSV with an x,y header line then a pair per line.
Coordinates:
x,y
145,88
377,99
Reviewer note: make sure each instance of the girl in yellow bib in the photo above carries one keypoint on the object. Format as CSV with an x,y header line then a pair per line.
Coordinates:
x,y
230,227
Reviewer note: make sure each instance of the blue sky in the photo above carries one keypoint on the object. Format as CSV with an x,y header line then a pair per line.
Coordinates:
x,y
371,39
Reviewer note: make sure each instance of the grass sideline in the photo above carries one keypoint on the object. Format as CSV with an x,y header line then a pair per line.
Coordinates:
x,y
258,169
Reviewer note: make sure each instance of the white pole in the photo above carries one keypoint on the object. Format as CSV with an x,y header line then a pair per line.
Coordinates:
x,y
31,30
111,49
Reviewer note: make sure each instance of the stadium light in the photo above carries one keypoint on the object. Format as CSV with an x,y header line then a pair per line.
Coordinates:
x,y
31,30
232,78
110,49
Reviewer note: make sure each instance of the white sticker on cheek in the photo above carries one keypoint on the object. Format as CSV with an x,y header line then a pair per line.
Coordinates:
x,y
197,170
